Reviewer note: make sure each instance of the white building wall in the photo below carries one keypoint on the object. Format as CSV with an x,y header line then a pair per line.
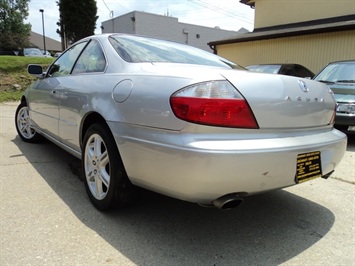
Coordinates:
x,y
168,28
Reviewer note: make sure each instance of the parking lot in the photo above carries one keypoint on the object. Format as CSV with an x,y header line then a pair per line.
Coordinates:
x,y
47,219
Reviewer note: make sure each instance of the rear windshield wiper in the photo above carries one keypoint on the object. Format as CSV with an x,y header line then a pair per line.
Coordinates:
x,y
346,81
326,81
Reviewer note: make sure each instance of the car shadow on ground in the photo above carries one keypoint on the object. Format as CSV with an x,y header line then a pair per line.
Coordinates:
x,y
267,229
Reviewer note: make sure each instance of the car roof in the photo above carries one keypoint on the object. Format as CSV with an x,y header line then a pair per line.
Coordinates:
x,y
343,61
106,35
275,64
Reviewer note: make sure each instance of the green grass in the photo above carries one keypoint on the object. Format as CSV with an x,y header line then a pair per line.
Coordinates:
x,y
13,71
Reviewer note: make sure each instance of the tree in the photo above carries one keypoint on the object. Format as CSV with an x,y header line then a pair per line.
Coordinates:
x,y
77,19
14,33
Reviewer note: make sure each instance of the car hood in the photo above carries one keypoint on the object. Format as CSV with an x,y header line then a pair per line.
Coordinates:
x,y
343,92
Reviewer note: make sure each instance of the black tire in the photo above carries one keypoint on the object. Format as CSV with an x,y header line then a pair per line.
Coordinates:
x,y
24,125
105,178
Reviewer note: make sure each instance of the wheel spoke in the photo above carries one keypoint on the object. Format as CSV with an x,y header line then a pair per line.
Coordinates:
x,y
104,177
99,187
23,129
90,152
103,163
104,160
90,176
97,146
25,113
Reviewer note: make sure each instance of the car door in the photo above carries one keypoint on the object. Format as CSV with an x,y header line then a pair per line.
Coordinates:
x,y
75,92
45,96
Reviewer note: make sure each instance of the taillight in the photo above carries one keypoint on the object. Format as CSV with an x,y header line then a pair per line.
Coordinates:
x,y
332,119
215,103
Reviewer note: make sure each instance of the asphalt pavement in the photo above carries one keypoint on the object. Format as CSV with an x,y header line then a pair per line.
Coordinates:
x,y
46,218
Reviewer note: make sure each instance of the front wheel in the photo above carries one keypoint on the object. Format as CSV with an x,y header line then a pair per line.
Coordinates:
x,y
106,181
24,125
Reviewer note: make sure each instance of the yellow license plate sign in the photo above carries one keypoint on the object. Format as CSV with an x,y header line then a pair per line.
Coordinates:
x,y
308,166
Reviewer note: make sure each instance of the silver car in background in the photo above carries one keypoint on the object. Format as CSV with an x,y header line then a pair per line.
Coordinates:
x,y
340,78
180,121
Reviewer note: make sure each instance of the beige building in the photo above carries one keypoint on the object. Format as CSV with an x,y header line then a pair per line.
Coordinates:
x,y
308,32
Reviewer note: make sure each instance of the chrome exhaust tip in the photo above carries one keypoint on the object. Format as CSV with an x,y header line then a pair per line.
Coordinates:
x,y
227,202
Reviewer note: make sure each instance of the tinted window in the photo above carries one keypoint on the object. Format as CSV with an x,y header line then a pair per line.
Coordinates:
x,y
92,59
139,49
286,70
303,72
64,64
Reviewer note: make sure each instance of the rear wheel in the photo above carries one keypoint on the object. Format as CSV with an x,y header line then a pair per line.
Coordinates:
x,y
106,181
24,125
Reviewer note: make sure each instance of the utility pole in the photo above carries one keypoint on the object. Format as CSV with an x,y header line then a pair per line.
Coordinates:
x,y
44,35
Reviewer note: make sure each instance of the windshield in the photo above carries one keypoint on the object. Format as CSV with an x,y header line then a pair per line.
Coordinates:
x,y
136,49
342,72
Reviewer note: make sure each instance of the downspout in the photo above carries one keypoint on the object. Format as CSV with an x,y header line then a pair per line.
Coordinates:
x,y
213,47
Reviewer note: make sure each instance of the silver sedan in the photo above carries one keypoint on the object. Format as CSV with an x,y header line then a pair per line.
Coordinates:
x,y
176,120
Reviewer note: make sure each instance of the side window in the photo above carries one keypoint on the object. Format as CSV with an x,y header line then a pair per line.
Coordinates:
x,y
286,70
64,64
301,72
92,59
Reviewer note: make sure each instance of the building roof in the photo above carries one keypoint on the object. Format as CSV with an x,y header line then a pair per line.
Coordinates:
x,y
36,40
250,3
296,29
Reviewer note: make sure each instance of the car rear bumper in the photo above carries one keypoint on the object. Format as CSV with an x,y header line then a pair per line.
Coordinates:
x,y
202,170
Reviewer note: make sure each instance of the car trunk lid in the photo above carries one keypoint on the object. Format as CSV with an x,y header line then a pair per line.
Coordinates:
x,y
279,101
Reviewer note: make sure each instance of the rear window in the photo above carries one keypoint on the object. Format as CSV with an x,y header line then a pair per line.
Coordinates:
x,y
136,49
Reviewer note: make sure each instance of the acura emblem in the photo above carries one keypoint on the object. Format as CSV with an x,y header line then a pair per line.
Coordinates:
x,y
303,85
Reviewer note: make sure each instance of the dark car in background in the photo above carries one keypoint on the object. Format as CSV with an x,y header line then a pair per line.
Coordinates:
x,y
283,69
7,53
340,78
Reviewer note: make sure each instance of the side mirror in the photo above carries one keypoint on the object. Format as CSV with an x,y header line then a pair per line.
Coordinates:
x,y
35,70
